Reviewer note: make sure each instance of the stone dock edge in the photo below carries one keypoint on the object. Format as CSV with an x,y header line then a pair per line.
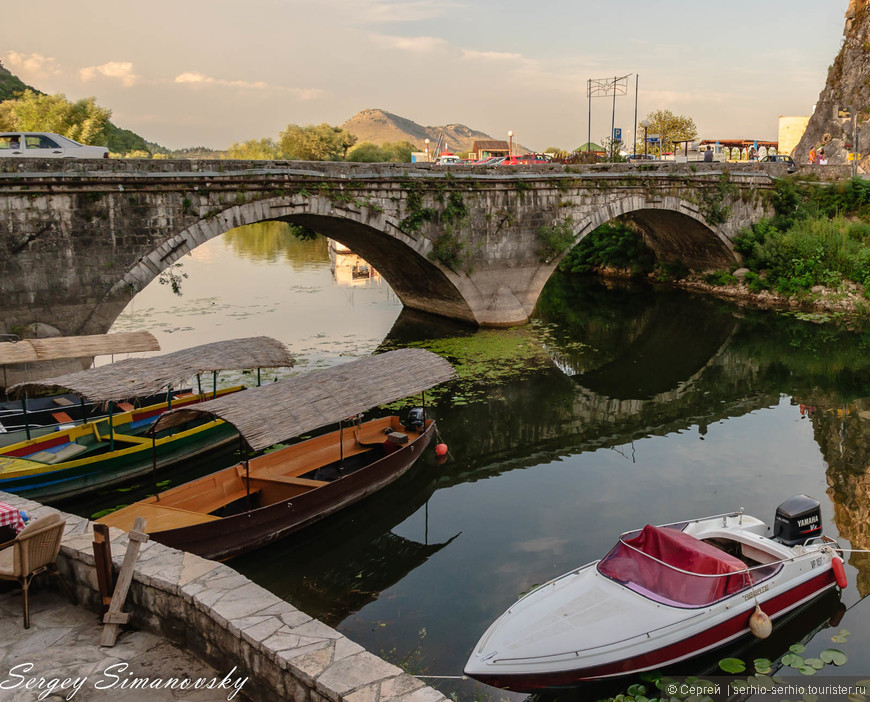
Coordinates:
x,y
226,620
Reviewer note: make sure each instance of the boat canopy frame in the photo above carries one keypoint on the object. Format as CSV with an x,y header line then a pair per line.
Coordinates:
x,y
288,408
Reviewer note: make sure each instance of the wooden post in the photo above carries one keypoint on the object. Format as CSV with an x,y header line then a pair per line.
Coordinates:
x,y
115,617
103,564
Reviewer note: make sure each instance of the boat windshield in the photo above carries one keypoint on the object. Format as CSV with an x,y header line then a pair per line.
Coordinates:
x,y
674,568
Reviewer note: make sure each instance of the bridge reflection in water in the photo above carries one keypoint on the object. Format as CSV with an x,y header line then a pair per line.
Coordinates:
x,y
564,433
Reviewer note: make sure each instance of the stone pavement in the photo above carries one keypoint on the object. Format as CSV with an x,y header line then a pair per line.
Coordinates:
x,y
63,644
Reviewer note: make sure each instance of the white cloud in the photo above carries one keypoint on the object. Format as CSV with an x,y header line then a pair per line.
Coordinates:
x,y
31,66
199,79
420,45
120,70
404,10
492,55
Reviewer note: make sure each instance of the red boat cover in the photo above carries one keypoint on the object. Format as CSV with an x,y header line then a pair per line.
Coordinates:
x,y
682,551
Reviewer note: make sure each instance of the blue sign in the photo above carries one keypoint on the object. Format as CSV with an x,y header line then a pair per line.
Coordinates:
x,y
617,134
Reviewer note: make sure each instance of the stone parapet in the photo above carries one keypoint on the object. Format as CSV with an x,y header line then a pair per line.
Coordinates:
x,y
227,620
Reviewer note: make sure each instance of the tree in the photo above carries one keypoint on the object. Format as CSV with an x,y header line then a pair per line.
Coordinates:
x,y
255,149
321,142
668,126
398,151
366,152
82,120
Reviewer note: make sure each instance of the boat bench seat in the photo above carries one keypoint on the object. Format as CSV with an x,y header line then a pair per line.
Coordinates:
x,y
62,401
289,480
64,453
205,504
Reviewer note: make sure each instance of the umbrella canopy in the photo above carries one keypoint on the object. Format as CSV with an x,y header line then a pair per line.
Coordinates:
x,y
137,377
285,409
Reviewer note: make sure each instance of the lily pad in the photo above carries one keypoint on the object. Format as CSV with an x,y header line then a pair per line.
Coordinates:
x,y
816,663
762,665
732,665
857,697
797,648
636,690
792,660
833,655
807,670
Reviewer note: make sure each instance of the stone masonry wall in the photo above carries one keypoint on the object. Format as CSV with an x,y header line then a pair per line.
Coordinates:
x,y
226,620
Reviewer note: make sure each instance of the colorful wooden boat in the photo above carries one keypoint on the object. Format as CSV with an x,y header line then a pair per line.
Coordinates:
x,y
105,452
72,461
266,498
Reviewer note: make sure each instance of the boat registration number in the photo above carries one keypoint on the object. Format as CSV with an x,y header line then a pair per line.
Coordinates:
x,y
816,562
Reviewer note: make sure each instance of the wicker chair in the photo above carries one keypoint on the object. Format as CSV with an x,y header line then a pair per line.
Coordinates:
x,y
32,552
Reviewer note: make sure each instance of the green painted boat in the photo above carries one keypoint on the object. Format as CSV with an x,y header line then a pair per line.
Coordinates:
x,y
90,456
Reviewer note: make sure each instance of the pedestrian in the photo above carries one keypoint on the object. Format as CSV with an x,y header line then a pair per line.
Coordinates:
x,y
813,155
708,155
823,159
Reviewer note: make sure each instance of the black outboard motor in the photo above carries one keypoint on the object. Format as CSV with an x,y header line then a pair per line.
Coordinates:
x,y
798,520
416,419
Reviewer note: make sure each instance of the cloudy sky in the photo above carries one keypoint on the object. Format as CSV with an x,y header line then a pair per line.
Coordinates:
x,y
210,72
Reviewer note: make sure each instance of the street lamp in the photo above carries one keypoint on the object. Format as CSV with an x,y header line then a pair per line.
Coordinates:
x,y
510,143
427,149
645,125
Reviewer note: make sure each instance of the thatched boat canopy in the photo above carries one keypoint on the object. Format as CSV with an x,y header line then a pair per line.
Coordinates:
x,y
285,409
137,377
57,347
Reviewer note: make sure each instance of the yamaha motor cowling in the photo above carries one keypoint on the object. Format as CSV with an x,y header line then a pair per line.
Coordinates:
x,y
798,520
416,419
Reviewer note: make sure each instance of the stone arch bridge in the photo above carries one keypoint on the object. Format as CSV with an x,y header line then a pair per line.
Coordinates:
x,y
473,244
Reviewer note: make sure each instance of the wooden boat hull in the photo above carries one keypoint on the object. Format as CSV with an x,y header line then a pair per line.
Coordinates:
x,y
133,456
230,536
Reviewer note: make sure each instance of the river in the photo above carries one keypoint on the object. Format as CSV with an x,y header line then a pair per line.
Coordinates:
x,y
616,407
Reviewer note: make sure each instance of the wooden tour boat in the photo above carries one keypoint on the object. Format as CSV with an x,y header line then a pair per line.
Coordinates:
x,y
119,447
268,497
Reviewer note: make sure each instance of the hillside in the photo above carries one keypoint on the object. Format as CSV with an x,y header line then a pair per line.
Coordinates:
x,y
378,126
847,86
11,84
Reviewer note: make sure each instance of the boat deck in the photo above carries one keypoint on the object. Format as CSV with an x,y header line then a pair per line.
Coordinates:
x,y
273,477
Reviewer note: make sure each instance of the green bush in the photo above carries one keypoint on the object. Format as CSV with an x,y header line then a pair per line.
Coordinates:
x,y
612,245
721,278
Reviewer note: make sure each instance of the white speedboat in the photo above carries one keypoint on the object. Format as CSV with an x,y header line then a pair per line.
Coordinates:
x,y
662,595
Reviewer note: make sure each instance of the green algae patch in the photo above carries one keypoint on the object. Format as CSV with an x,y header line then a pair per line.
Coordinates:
x,y
484,359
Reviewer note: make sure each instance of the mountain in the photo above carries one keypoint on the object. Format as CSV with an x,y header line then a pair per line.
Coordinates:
x,y
378,126
847,86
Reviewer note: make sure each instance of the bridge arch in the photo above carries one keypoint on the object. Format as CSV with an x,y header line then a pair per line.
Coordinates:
x,y
371,232
675,229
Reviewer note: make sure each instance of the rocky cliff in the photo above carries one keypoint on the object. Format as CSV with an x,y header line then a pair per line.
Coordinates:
x,y
845,99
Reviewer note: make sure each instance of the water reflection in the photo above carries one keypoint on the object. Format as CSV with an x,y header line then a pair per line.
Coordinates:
x,y
617,406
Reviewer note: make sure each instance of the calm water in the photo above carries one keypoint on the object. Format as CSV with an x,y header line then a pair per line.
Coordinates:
x,y
617,407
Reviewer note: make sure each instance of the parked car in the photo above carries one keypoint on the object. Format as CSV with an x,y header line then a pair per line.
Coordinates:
x,y
490,161
640,157
781,158
524,160
448,160
46,145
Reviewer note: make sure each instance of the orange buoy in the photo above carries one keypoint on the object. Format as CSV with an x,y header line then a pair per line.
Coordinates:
x,y
441,449
839,572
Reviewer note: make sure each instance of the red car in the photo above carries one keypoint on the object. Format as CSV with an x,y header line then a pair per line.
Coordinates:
x,y
524,160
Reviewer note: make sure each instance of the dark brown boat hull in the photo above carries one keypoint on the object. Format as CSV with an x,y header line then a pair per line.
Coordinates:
x,y
237,534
